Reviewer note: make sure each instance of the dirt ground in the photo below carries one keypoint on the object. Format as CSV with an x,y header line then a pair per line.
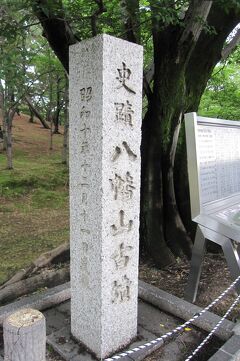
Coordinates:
x,y
215,278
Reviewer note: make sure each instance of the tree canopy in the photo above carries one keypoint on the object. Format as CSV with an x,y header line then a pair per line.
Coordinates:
x,y
184,41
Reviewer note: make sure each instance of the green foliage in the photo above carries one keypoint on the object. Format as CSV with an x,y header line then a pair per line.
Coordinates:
x,y
221,98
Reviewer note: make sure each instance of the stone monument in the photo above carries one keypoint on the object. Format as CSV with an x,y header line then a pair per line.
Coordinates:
x,y
105,134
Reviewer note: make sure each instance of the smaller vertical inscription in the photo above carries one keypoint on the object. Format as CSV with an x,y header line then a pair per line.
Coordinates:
x,y
84,275
86,94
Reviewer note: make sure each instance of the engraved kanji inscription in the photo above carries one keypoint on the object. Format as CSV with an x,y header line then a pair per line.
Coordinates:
x,y
124,75
85,230
85,130
85,113
85,169
84,274
124,113
116,154
122,187
121,256
130,153
119,150
86,94
121,290
121,226
83,215
84,147
84,198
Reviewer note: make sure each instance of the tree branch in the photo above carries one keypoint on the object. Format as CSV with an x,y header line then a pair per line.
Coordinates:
x,y
56,29
208,53
194,20
148,74
130,14
231,46
101,9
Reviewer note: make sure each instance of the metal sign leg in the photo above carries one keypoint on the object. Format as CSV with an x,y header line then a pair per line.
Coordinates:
x,y
232,256
198,253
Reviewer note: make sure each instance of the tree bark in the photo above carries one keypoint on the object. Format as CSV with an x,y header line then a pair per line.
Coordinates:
x,y
36,112
58,108
131,20
56,29
32,284
59,254
4,130
31,118
152,218
9,145
65,151
172,54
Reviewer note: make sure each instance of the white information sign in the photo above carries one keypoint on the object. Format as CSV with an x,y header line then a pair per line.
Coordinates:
x,y
219,161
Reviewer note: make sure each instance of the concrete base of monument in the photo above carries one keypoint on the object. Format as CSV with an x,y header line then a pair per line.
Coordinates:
x,y
152,323
158,313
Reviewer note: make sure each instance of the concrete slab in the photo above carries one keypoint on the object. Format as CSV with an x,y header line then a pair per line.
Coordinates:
x,y
152,324
232,345
221,356
155,320
56,320
229,351
63,343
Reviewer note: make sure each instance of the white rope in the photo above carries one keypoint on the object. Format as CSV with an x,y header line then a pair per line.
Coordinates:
x,y
162,338
214,329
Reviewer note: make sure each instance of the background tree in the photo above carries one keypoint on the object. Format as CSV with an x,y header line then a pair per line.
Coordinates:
x,y
184,40
12,78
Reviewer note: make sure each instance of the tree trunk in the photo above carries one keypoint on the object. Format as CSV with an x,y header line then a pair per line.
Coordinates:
x,y
36,112
59,254
9,145
56,121
4,130
51,132
65,151
152,217
65,145
31,118
32,284
58,108
174,227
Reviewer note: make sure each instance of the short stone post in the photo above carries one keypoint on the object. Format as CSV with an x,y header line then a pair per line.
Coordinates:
x,y
24,334
105,135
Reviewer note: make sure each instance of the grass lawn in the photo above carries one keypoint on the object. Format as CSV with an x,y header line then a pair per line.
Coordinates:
x,y
34,214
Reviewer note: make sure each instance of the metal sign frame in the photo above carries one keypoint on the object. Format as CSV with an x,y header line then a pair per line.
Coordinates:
x,y
210,225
